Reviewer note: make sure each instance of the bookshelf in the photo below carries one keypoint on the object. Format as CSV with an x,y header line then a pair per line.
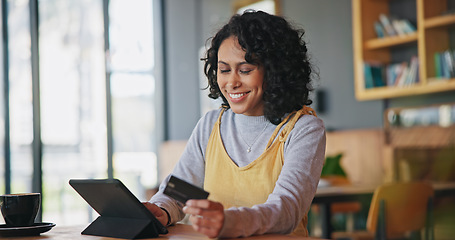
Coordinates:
x,y
435,32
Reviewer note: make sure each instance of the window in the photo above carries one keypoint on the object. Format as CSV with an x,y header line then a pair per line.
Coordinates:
x,y
73,103
131,67
20,96
74,73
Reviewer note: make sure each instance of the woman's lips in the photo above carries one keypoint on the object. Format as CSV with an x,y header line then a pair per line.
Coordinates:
x,y
237,97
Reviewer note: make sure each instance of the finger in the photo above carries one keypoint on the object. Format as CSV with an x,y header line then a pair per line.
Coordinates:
x,y
207,213
214,216
206,226
209,232
192,210
215,210
159,213
204,203
202,221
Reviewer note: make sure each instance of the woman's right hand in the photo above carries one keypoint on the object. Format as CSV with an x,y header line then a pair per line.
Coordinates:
x,y
207,216
159,213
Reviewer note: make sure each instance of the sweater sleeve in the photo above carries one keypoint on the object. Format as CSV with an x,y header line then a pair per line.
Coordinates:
x,y
291,198
190,167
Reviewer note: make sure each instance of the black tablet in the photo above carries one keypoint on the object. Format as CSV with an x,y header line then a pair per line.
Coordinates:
x,y
117,208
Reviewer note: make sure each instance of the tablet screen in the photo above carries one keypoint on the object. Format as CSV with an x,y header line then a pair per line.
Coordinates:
x,y
111,198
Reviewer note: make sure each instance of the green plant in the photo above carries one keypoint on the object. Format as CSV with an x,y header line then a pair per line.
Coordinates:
x,y
332,166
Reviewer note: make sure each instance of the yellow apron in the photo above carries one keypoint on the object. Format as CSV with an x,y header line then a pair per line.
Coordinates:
x,y
250,185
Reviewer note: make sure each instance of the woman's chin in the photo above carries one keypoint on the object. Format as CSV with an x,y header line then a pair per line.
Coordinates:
x,y
239,110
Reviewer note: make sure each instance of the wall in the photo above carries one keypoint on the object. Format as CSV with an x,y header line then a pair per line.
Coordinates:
x,y
181,48
188,24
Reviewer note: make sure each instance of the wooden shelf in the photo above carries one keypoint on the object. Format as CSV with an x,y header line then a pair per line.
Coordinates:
x,y
390,41
440,21
434,86
418,137
433,35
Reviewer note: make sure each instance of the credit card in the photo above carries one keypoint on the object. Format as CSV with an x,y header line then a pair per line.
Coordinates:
x,y
183,191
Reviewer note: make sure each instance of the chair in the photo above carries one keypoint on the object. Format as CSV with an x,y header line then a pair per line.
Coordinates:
x,y
334,173
346,208
396,210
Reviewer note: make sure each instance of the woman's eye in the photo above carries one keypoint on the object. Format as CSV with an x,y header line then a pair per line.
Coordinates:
x,y
224,71
245,71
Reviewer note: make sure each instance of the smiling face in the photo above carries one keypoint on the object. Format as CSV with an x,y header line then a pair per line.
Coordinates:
x,y
241,83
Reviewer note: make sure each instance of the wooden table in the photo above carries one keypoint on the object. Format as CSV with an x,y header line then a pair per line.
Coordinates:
x,y
179,231
325,196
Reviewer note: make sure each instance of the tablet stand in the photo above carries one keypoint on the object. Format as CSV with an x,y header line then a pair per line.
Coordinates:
x,y
122,228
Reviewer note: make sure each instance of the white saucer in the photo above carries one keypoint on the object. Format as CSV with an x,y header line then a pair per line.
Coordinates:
x,y
34,230
323,183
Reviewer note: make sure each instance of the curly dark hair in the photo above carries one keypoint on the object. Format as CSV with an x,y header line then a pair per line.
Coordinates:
x,y
269,41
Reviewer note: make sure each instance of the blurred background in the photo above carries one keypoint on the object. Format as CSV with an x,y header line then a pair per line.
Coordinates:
x,y
94,88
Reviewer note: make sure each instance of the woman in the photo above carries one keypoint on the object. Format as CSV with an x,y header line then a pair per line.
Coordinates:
x,y
260,156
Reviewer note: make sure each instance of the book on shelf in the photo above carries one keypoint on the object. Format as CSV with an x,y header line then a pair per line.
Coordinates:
x,y
443,73
395,73
449,69
403,26
417,76
374,75
437,65
380,32
368,76
444,63
377,72
388,26
407,26
412,76
403,73
392,75
398,27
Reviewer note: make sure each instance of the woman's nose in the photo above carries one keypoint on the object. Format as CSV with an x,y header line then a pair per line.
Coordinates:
x,y
233,82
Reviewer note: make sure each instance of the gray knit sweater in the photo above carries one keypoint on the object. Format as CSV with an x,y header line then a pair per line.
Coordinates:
x,y
304,153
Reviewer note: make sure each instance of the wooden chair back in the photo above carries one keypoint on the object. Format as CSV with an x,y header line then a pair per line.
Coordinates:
x,y
405,208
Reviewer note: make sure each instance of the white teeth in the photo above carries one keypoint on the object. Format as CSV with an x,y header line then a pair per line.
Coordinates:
x,y
236,95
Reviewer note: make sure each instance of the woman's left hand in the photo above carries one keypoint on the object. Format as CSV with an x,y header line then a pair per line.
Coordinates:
x,y
207,217
159,213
